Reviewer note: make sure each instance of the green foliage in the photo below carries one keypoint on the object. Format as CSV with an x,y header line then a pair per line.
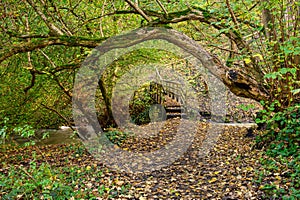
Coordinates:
x,y
4,129
36,180
281,113
281,52
43,181
47,74
117,137
29,108
139,106
246,107
281,140
23,131
281,125
26,131
33,182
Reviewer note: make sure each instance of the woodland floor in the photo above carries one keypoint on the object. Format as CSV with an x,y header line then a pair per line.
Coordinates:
x,y
228,171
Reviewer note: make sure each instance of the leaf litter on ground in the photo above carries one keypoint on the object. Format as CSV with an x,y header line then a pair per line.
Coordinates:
x,y
228,171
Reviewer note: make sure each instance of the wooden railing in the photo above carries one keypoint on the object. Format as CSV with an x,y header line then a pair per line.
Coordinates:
x,y
173,89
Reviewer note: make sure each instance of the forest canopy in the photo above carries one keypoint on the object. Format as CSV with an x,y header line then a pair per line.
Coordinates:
x,y
255,45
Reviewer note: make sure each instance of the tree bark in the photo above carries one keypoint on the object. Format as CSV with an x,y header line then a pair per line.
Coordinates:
x,y
107,100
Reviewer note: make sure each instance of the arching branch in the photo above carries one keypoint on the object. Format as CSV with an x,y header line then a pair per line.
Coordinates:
x,y
237,81
39,44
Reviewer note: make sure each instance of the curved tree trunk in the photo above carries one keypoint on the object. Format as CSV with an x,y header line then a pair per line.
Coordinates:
x,y
237,81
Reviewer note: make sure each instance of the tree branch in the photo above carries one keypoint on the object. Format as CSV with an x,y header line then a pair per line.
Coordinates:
x,y
118,12
68,32
140,11
39,44
232,13
50,25
29,61
56,78
70,66
203,16
238,82
224,49
25,36
162,7
60,115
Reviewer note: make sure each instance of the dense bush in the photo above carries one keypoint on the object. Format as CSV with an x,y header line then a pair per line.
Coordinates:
x,y
139,106
281,140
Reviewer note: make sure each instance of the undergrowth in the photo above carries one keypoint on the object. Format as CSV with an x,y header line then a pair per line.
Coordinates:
x,y
281,143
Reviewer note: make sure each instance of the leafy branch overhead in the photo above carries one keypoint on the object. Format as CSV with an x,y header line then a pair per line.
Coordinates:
x,y
245,46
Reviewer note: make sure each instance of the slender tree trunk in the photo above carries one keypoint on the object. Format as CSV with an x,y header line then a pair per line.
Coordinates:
x,y
107,101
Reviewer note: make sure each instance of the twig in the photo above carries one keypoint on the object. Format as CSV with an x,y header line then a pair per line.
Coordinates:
x,y
141,12
59,114
147,12
55,77
32,83
50,25
232,13
253,6
27,173
229,50
162,7
100,21
31,69
59,17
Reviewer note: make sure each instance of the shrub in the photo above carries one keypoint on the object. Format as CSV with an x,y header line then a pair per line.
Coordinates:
x,y
140,105
281,141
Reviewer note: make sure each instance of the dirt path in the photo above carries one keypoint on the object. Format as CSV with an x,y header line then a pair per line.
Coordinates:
x,y
226,172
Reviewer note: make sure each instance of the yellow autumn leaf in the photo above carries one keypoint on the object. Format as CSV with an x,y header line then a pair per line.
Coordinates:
x,y
213,180
53,178
249,168
258,55
261,187
88,168
247,60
